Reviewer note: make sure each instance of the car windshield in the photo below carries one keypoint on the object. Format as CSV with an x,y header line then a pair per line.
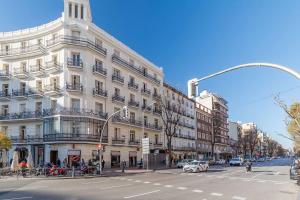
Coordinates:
x,y
194,163
236,159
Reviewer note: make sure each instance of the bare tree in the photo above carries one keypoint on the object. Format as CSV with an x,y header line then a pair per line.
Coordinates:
x,y
272,146
170,115
252,140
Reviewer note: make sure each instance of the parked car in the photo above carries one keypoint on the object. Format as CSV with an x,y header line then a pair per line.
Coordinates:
x,y
196,166
262,159
220,162
183,162
236,161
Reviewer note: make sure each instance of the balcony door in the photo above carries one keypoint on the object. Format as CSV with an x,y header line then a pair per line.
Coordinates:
x,y
98,85
98,107
76,59
75,80
132,116
5,110
22,132
22,88
75,104
5,89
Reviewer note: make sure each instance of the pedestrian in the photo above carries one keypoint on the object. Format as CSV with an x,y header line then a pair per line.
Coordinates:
x,y
65,162
102,164
123,166
58,162
82,162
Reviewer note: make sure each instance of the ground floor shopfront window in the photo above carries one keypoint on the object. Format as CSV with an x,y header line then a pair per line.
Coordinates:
x,y
132,159
115,159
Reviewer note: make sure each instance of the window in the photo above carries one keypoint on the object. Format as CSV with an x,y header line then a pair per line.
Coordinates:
x,y
38,130
70,10
117,72
81,11
75,127
132,116
39,86
144,102
23,66
22,132
75,80
145,120
22,107
76,11
132,97
156,139
98,63
132,135
117,92
7,49
144,86
76,59
98,107
156,122
116,133
4,110
5,89
131,80
38,106
98,85
75,104
145,135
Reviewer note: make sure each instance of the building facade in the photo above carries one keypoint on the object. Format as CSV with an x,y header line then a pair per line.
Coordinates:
x,y
184,142
204,131
60,82
219,108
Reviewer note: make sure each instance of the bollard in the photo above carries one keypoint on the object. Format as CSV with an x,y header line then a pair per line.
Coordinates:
x,y
73,171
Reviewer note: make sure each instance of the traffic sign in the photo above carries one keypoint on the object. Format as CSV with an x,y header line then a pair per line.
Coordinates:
x,y
145,145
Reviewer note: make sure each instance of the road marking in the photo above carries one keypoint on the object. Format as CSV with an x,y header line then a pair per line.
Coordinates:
x,y
147,182
18,198
129,179
197,191
168,186
200,175
238,198
181,188
216,194
246,180
137,181
92,182
137,195
262,181
157,184
115,186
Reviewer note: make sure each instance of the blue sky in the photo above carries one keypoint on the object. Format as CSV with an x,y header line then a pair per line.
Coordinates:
x,y
193,38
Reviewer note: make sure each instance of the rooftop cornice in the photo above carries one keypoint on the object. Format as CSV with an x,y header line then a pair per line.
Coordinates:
x,y
31,32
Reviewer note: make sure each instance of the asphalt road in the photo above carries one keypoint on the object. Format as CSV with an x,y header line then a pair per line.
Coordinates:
x,y
268,180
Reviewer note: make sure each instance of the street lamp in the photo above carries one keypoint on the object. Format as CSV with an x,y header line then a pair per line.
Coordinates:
x,y
101,134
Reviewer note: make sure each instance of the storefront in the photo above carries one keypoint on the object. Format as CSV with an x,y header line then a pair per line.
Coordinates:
x,y
132,159
115,159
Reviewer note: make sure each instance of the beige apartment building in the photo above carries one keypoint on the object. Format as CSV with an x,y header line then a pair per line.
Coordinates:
x,y
60,81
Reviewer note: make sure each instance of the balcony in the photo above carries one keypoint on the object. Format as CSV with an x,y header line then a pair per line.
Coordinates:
x,y
75,112
152,127
118,79
146,91
97,92
99,70
133,122
73,137
118,98
35,93
133,103
118,60
75,64
156,96
74,88
184,148
133,142
22,52
5,75
77,41
4,96
37,70
53,67
133,86
118,141
146,108
52,90
21,73
157,111
29,139
19,94
22,116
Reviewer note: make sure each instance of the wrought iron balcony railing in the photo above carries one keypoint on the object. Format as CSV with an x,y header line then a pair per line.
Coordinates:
x,y
69,137
98,69
74,87
132,85
146,91
118,141
118,98
22,115
100,92
133,103
75,112
75,63
118,78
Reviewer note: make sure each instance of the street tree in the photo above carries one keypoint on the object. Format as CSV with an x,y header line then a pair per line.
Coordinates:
x,y
272,146
171,115
5,145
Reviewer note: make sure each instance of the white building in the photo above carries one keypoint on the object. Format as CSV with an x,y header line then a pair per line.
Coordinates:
x,y
60,81
184,142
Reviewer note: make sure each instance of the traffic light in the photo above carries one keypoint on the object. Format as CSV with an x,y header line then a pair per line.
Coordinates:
x,y
125,108
99,146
